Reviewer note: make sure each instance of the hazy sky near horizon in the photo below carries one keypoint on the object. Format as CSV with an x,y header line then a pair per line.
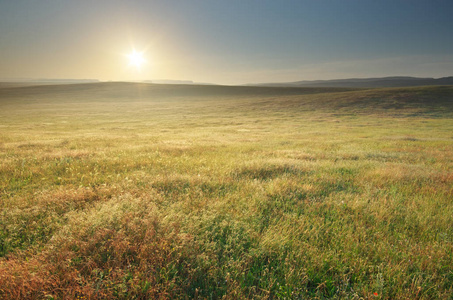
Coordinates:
x,y
226,42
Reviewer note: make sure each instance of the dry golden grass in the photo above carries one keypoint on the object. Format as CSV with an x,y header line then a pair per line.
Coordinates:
x,y
140,191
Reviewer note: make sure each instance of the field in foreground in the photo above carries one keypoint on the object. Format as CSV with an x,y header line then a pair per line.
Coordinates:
x,y
121,190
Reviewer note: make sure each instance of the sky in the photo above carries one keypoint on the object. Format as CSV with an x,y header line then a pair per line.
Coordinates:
x,y
225,42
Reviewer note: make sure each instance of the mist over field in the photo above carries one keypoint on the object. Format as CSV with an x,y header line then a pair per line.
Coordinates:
x,y
144,191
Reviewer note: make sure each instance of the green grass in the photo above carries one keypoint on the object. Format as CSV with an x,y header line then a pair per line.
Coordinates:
x,y
122,190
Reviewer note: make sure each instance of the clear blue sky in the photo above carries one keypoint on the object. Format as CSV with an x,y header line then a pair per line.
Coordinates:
x,y
228,42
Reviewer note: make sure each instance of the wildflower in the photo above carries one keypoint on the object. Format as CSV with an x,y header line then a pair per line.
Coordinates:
x,y
375,293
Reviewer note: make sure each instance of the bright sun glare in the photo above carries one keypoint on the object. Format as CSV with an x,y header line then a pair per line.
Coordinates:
x,y
136,59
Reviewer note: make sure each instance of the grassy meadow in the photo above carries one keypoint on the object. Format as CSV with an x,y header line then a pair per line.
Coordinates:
x,y
142,191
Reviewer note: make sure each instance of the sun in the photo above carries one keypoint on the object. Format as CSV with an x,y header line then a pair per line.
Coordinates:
x,y
136,59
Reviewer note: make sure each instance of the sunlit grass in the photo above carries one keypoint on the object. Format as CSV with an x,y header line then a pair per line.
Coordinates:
x,y
143,191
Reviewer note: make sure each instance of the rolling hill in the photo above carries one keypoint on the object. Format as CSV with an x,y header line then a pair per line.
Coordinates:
x,y
397,81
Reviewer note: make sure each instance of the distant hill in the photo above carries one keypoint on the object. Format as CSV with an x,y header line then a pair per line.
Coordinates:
x,y
46,81
397,81
170,81
133,90
408,101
